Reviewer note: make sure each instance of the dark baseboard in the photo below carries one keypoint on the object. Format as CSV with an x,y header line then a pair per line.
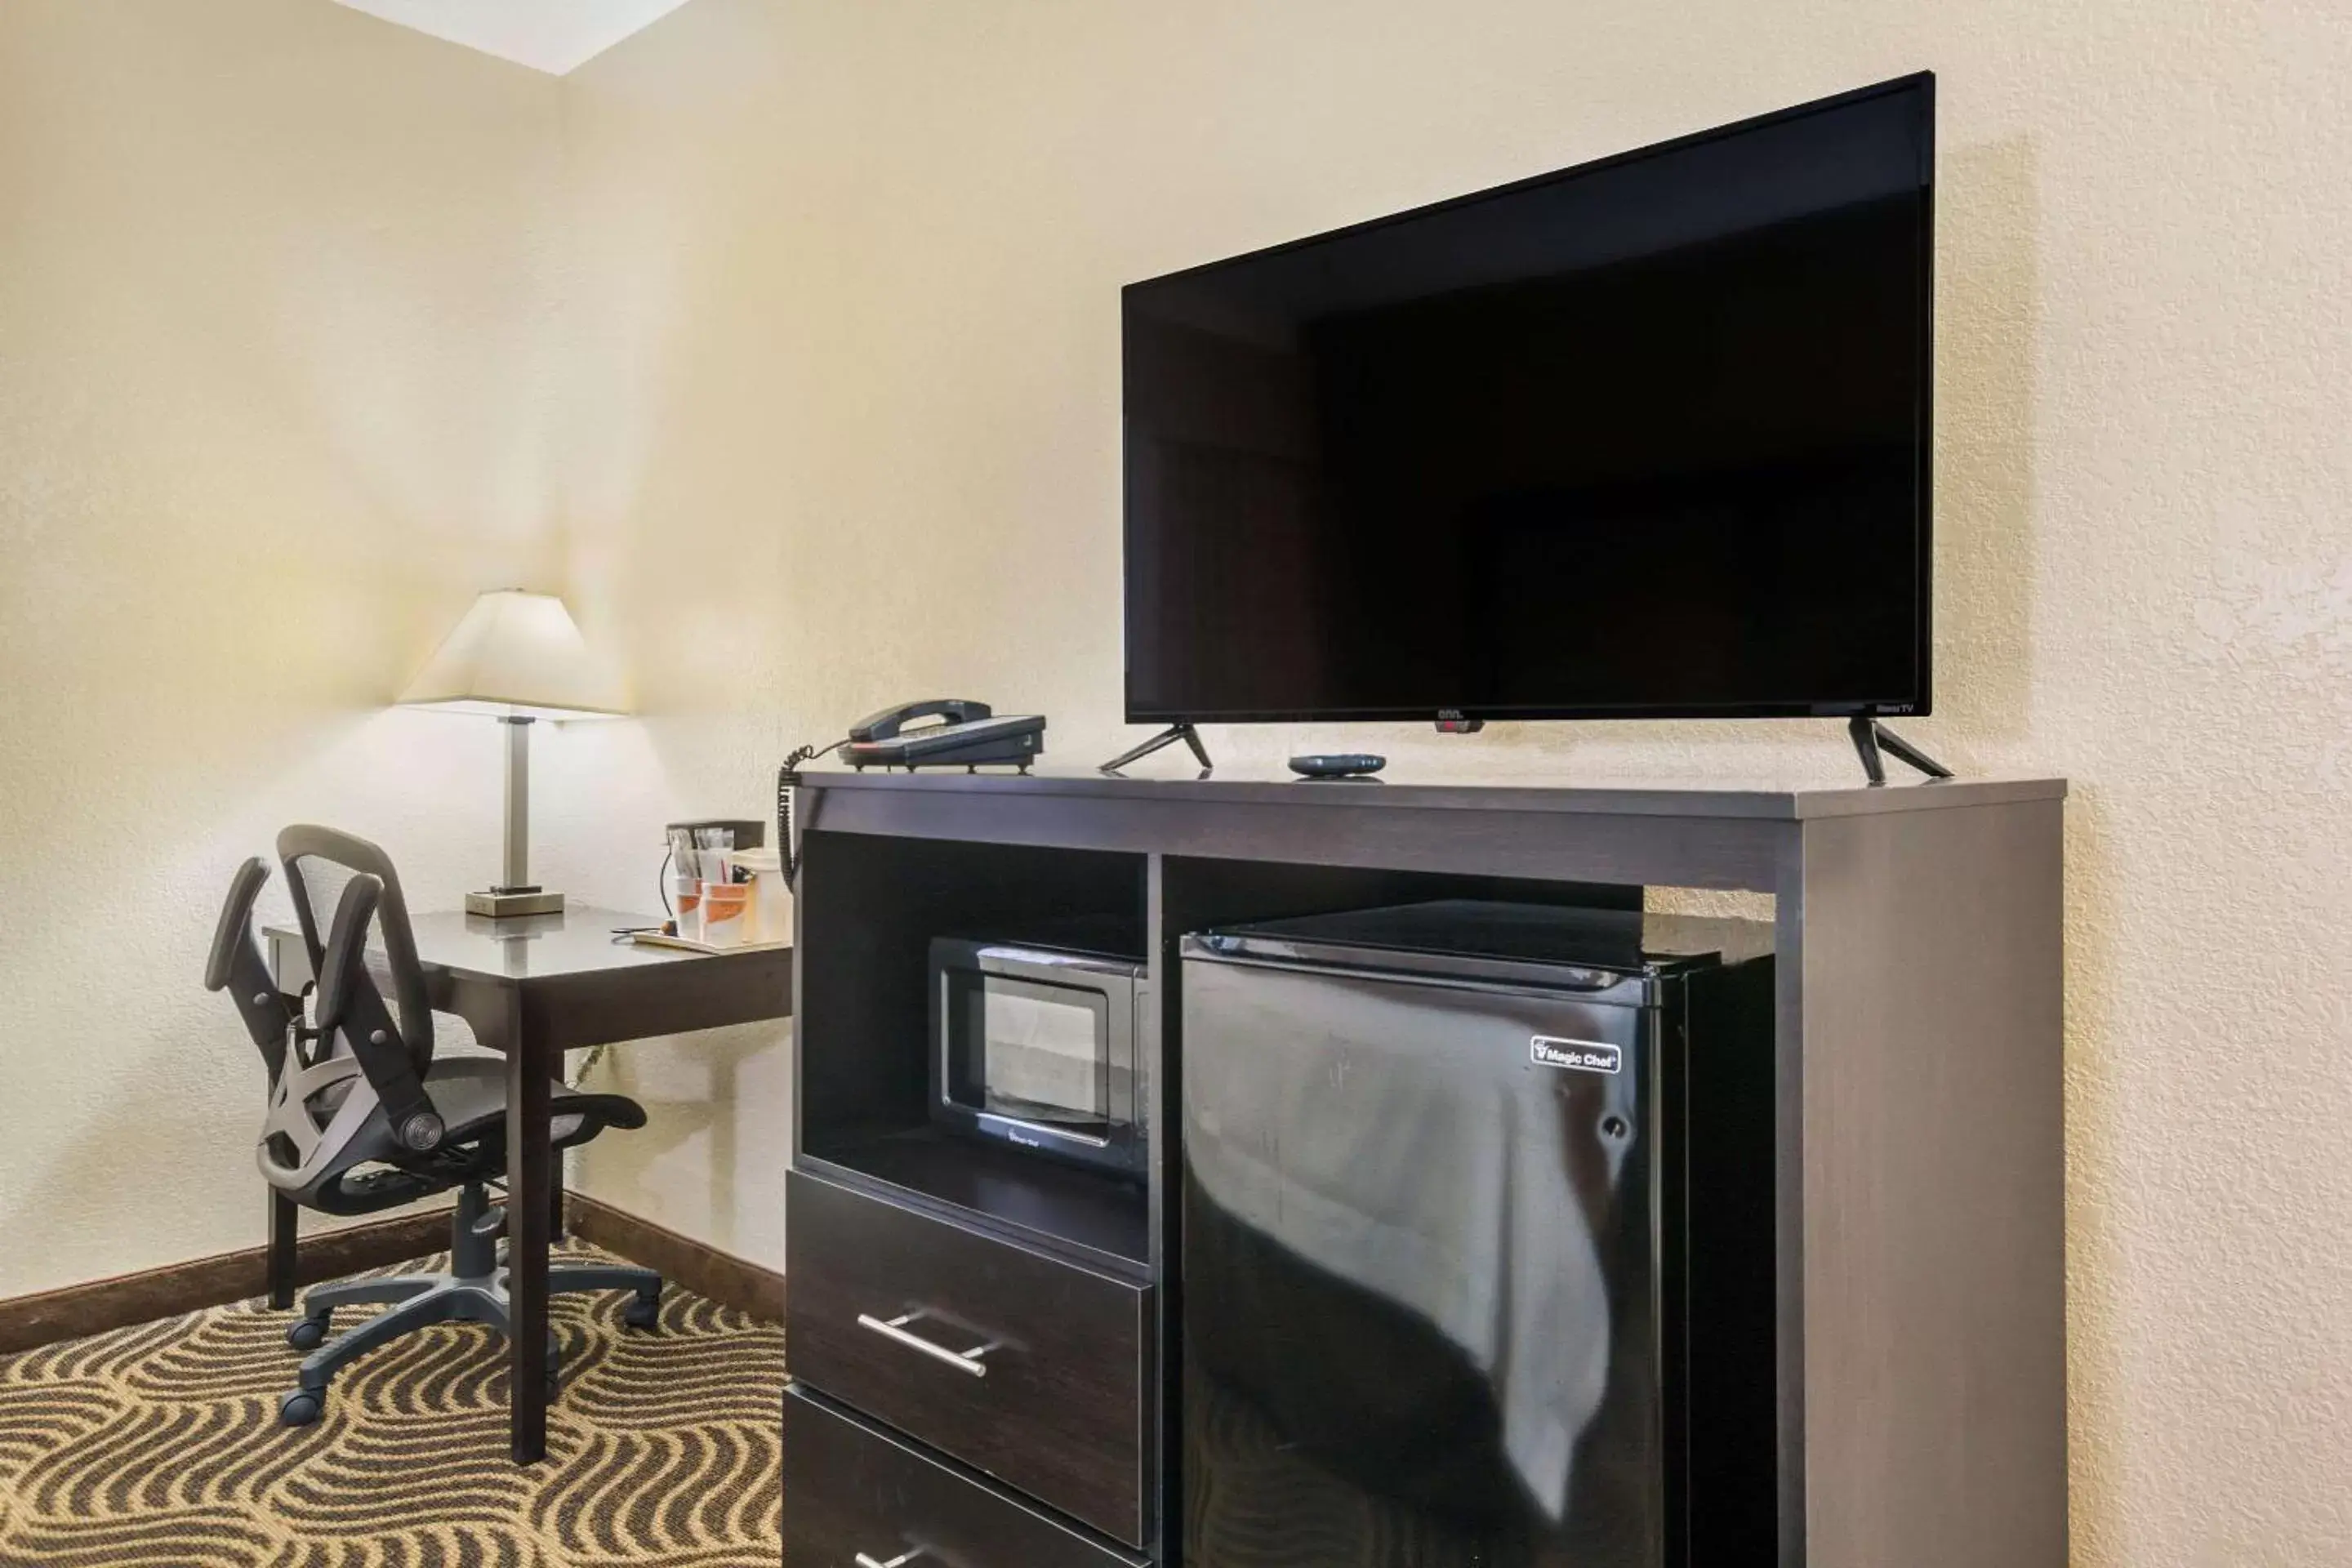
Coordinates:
x,y
71,1311
74,1310
700,1266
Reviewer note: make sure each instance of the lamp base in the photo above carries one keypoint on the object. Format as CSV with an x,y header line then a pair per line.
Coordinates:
x,y
504,903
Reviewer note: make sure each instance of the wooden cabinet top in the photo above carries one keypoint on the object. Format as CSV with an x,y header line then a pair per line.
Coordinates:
x,y
1783,800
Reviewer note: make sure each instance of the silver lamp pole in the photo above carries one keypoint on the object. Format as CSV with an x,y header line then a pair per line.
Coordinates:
x,y
516,893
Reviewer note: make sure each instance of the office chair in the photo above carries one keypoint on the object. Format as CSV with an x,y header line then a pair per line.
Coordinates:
x,y
361,1115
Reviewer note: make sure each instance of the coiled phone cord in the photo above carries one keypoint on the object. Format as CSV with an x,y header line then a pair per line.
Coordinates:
x,y
788,778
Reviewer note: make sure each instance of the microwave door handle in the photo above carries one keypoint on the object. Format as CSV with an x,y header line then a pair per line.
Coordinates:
x,y
895,1331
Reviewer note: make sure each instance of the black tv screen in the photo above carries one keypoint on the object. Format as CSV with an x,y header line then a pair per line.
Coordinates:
x,y
1645,438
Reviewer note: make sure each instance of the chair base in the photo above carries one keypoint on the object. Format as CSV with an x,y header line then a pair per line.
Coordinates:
x,y
475,1291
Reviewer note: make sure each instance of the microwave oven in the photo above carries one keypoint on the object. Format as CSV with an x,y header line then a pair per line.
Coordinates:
x,y
1036,1047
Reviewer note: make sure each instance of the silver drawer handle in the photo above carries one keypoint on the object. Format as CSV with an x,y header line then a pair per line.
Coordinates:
x,y
904,1557
896,1331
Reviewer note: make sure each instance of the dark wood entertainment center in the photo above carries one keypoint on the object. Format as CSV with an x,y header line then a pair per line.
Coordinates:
x,y
1917,1165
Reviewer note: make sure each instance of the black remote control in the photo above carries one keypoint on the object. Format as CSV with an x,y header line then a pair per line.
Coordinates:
x,y
1338,764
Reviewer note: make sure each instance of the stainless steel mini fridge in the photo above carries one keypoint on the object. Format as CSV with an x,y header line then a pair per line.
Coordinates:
x,y
1477,1241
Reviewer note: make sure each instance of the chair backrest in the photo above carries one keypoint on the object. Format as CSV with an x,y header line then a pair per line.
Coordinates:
x,y
349,1090
234,964
320,863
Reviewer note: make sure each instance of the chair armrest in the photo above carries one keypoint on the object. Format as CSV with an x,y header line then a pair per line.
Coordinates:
x,y
234,964
348,1002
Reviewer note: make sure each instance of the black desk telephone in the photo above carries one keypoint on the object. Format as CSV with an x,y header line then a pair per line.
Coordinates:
x,y
969,735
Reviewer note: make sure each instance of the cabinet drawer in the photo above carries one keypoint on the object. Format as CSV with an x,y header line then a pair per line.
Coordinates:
x,y
883,1304
855,1495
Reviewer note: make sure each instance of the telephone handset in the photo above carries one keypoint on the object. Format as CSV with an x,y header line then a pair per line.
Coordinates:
x,y
891,722
968,734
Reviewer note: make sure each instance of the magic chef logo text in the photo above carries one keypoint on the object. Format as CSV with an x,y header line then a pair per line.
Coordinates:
x,y
1577,1055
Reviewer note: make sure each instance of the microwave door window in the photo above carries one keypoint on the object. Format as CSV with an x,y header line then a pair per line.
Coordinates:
x,y
1041,1055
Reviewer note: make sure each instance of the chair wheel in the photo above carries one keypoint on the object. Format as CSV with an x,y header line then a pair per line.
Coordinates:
x,y
308,1335
299,1408
642,1312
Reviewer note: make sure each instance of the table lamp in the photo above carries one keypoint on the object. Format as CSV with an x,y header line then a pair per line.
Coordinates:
x,y
515,657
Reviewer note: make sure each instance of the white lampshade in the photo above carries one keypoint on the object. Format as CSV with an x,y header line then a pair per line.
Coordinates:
x,y
516,654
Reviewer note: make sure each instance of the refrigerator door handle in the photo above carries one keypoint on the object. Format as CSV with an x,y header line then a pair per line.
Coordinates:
x,y
1597,987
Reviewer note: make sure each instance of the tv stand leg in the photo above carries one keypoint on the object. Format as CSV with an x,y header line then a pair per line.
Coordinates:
x,y
1870,736
1168,737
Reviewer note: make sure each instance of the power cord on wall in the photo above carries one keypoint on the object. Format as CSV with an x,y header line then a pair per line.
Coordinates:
x,y
669,912
788,854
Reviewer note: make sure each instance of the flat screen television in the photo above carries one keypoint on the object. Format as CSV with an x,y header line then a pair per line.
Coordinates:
x,y
1645,438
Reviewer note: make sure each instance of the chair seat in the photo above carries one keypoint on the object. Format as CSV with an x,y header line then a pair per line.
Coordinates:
x,y
471,1093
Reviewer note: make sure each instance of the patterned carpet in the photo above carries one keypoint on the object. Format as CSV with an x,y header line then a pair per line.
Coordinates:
x,y
159,1447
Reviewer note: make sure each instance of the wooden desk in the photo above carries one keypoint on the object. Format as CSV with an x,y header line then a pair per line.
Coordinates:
x,y
534,988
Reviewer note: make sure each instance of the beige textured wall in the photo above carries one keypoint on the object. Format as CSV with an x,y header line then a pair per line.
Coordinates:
x,y
278,357
848,303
